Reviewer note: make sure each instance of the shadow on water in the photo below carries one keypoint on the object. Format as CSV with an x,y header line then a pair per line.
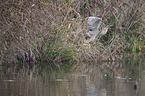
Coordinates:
x,y
123,78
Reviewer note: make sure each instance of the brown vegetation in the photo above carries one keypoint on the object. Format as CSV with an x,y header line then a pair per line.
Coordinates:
x,y
53,32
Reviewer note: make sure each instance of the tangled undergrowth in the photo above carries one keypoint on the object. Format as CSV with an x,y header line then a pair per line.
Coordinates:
x,y
53,32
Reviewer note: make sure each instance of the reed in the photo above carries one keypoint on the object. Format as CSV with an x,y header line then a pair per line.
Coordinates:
x,y
53,32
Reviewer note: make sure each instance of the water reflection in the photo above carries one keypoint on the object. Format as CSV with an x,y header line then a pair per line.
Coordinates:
x,y
105,79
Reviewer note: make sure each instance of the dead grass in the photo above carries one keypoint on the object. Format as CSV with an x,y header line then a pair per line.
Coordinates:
x,y
53,32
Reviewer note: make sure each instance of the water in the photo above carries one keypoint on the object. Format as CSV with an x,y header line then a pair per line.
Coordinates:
x,y
105,79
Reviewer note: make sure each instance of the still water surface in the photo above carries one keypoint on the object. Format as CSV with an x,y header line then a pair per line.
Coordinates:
x,y
105,79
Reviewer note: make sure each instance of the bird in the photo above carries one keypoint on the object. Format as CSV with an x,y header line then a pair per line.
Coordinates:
x,y
95,28
136,85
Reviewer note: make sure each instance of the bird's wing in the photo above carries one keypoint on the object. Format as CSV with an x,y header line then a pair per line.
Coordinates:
x,y
91,28
97,24
94,23
92,20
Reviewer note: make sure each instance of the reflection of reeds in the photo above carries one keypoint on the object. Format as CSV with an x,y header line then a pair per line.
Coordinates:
x,y
53,31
